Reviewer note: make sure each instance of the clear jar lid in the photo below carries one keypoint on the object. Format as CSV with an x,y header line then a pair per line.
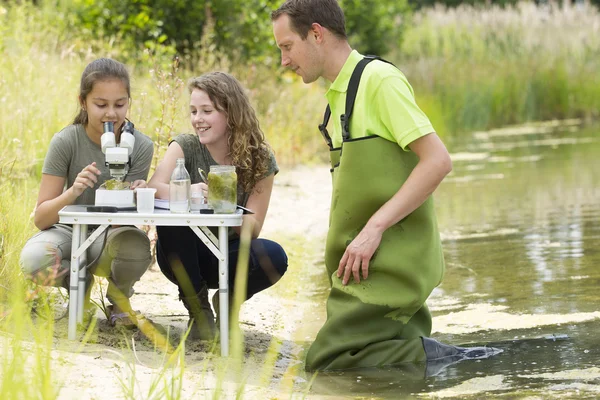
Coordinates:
x,y
222,168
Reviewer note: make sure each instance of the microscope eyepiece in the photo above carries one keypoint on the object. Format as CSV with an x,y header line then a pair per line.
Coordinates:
x,y
109,126
127,126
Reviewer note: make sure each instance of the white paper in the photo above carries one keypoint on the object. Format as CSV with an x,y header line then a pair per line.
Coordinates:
x,y
161,203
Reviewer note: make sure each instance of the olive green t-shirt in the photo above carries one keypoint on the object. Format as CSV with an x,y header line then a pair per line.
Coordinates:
x,y
385,104
71,150
197,156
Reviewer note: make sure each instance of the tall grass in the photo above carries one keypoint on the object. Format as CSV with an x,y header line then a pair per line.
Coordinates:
x,y
472,68
475,68
25,369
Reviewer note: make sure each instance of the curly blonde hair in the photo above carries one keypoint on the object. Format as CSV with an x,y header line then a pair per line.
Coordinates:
x,y
248,149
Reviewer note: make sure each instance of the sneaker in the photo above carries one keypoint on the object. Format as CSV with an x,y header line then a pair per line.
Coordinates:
x,y
125,320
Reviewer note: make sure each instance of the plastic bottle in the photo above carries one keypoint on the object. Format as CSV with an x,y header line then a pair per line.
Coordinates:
x,y
180,188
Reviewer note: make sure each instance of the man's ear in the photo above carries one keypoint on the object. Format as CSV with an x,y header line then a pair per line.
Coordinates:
x,y
317,31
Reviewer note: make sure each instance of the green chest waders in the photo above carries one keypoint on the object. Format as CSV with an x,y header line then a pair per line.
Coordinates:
x,y
379,321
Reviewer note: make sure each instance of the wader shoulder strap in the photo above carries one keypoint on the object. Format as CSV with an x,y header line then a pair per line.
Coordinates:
x,y
350,98
323,127
351,94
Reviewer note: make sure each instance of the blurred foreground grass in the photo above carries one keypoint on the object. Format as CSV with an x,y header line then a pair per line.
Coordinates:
x,y
471,69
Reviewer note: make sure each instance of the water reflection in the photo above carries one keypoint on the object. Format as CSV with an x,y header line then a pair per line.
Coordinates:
x,y
520,220
531,231
372,382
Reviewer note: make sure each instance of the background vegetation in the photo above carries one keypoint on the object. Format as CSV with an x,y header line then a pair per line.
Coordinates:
x,y
475,68
472,67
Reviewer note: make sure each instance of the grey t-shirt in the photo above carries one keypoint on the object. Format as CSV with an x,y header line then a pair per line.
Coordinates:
x,y
71,150
197,156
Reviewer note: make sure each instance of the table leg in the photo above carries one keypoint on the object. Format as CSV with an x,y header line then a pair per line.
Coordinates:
x,y
224,290
73,283
82,274
79,245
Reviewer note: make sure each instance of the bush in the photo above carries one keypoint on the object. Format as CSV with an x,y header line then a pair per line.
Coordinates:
x,y
375,26
238,30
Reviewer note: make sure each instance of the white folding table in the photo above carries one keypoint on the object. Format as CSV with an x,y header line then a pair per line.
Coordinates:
x,y
199,223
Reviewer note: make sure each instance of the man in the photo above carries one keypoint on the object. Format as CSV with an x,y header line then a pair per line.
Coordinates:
x,y
383,251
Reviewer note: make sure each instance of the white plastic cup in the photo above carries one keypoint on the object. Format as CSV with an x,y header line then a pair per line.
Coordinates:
x,y
145,200
198,201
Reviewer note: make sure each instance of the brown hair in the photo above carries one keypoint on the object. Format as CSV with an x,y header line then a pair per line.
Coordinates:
x,y
99,70
303,13
248,149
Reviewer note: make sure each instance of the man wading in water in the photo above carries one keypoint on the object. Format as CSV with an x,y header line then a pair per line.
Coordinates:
x,y
383,251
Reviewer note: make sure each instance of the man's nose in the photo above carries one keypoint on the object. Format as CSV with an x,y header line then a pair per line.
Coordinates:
x,y
285,61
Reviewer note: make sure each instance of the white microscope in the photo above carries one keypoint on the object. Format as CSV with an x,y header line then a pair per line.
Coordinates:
x,y
117,155
117,159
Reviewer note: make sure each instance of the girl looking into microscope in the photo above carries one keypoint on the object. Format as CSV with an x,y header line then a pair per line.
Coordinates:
x,y
74,167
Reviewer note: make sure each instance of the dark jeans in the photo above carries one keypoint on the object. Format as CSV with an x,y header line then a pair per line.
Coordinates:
x,y
267,264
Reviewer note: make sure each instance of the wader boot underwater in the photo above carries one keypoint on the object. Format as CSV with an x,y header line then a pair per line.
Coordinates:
x,y
439,355
202,318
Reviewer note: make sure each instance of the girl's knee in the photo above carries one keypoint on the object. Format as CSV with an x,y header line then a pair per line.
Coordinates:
x,y
45,251
281,259
272,253
131,244
38,257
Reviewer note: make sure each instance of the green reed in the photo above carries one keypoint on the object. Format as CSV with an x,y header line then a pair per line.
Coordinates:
x,y
475,68
26,353
471,68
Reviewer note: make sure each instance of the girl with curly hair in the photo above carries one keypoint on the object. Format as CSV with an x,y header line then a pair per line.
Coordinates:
x,y
227,133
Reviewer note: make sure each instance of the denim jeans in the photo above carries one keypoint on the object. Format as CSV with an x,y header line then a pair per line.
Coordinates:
x,y
267,264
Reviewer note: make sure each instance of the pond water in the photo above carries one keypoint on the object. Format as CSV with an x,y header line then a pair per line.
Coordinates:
x,y
520,222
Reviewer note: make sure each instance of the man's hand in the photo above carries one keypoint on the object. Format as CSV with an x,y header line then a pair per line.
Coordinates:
x,y
358,254
434,163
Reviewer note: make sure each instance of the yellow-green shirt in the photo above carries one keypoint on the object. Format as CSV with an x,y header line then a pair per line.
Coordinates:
x,y
384,106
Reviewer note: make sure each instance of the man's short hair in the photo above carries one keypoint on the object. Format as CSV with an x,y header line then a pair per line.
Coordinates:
x,y
303,13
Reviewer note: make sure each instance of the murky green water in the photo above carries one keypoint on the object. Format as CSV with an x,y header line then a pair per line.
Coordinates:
x,y
520,219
